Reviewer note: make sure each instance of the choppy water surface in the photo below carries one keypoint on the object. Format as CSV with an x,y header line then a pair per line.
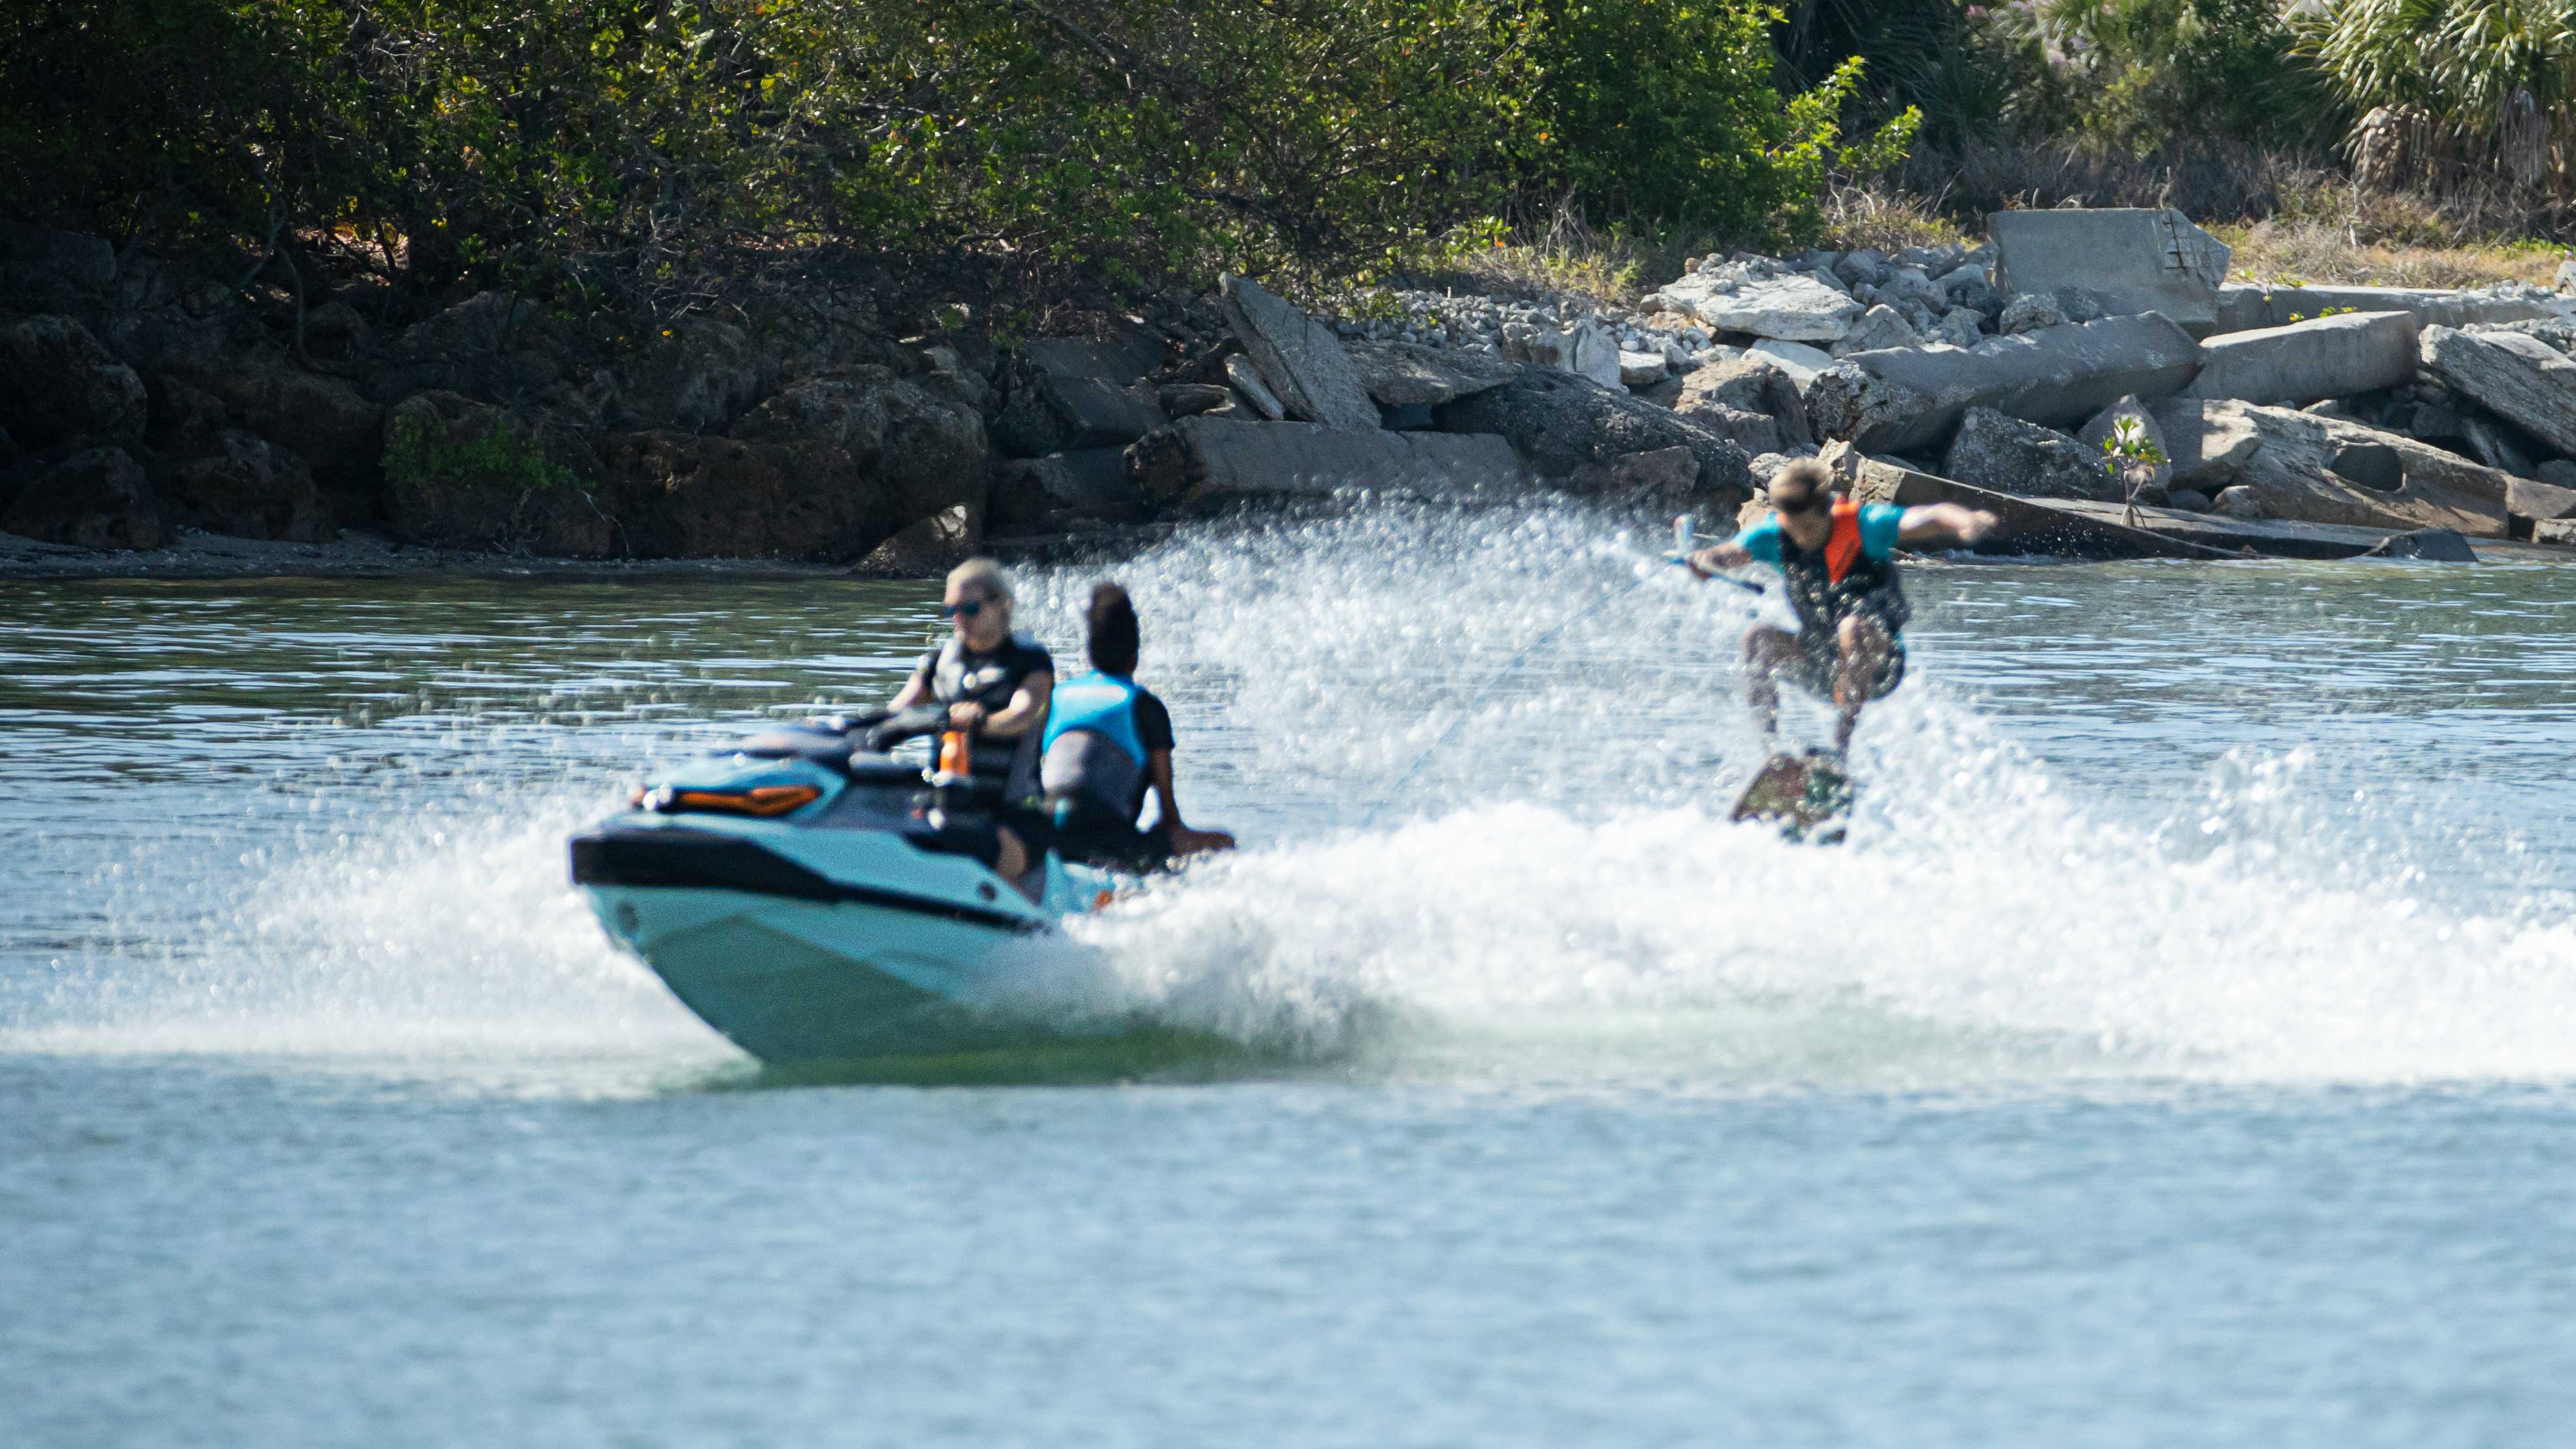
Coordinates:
x,y
2180,1053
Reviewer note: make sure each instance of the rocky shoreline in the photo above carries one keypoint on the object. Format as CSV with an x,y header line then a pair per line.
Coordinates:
x,y
155,423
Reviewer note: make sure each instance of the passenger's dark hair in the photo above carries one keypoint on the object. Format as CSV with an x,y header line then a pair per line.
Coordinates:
x,y
1798,487
1115,635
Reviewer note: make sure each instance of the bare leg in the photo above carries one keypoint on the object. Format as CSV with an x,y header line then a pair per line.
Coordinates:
x,y
1862,646
1765,651
1012,862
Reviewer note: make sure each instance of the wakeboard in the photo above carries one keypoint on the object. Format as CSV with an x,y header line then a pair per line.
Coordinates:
x,y
1808,797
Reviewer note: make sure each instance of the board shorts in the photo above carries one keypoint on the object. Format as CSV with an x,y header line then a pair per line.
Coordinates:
x,y
1113,844
1820,658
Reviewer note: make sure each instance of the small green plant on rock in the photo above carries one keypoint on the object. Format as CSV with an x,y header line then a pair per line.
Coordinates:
x,y
2132,458
420,456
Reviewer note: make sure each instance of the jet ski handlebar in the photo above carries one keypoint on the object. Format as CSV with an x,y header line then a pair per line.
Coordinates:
x,y
880,730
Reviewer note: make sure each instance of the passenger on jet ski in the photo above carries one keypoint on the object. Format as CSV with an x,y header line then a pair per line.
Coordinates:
x,y
1109,740
996,686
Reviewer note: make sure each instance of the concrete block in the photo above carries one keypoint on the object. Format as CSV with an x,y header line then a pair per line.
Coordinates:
x,y
2528,498
2247,305
2326,357
1299,357
2129,260
2521,379
1202,459
1899,400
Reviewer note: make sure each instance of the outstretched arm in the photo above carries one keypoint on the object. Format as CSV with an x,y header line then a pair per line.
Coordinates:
x,y
1944,522
1185,841
1718,558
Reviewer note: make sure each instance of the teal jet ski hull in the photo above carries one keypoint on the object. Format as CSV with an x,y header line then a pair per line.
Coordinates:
x,y
832,932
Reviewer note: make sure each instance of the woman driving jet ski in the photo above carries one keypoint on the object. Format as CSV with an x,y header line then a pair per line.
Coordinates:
x,y
996,686
1107,742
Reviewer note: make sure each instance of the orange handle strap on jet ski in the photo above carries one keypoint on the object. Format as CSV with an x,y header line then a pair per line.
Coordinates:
x,y
1842,546
956,753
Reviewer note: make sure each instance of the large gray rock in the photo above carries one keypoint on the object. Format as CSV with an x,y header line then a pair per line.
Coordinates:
x,y
1299,357
1722,394
2316,469
2106,425
2008,455
2303,362
1081,392
321,419
1565,424
1205,460
2128,260
1039,495
96,498
1400,374
2521,379
2245,305
698,376
909,452
1899,400
1879,327
59,385
1792,309
679,495
2206,442
252,488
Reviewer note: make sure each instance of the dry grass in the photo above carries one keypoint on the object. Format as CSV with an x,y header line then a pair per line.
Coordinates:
x,y
1878,219
2332,231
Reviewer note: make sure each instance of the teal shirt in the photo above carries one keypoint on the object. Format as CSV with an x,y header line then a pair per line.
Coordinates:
x,y
1879,525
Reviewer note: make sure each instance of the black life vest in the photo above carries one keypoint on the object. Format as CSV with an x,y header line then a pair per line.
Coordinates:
x,y
1004,770
1828,584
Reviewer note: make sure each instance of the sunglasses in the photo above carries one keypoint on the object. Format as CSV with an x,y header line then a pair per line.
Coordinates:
x,y
966,610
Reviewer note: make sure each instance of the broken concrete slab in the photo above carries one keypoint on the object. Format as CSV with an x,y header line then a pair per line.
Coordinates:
x,y
2314,469
2304,362
2527,498
2244,306
1032,494
1750,384
2024,459
1903,399
1790,309
1563,424
1801,362
1202,460
1398,374
2519,378
2129,260
1299,357
1586,349
1078,392
2030,525
1246,380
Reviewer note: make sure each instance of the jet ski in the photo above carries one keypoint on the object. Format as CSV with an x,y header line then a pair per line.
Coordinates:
x,y
812,897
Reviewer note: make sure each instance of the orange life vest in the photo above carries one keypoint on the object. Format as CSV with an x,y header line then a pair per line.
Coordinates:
x,y
1842,546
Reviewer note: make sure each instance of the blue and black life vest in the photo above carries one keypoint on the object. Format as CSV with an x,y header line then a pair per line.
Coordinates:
x,y
1094,756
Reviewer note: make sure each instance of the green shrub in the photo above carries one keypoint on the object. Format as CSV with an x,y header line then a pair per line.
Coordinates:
x,y
636,149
